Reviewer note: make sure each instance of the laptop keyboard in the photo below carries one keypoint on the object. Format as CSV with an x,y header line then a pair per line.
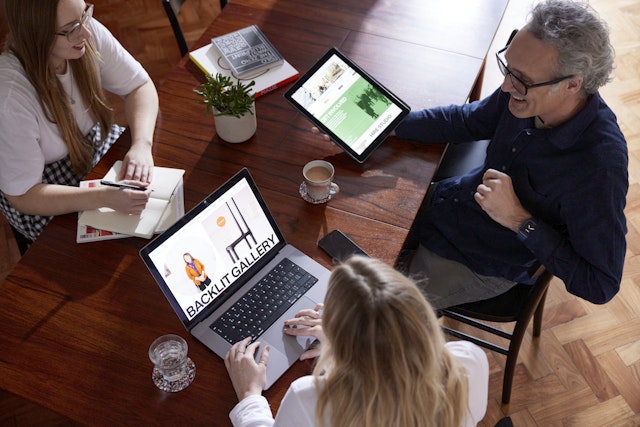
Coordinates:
x,y
265,302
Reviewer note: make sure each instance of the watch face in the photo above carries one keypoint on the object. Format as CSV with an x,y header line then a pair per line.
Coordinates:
x,y
527,228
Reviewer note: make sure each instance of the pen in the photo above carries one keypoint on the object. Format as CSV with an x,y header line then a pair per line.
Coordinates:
x,y
130,187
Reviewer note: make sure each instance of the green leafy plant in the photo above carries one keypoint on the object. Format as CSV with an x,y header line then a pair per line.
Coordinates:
x,y
228,98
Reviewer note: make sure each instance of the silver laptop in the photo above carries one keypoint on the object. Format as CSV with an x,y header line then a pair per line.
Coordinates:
x,y
234,239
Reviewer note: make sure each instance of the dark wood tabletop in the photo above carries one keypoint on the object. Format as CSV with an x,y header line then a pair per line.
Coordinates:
x,y
77,319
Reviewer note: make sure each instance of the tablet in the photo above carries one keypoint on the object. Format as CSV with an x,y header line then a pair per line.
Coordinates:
x,y
347,104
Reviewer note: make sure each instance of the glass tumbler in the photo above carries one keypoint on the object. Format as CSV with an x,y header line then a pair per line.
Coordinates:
x,y
173,369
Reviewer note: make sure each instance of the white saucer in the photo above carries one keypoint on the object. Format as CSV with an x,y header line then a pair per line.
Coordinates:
x,y
303,193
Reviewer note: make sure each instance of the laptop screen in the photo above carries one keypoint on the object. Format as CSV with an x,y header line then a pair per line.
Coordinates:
x,y
214,249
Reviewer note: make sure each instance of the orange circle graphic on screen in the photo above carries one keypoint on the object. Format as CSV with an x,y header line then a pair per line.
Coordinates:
x,y
221,221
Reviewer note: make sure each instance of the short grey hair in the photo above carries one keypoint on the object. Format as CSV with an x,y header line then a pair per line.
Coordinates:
x,y
581,38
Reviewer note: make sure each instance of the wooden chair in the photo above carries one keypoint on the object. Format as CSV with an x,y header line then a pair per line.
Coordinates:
x,y
518,305
172,8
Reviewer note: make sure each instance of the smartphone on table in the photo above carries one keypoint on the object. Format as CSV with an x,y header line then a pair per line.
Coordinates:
x,y
339,246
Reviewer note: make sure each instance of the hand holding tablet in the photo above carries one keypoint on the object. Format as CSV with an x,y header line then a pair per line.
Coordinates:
x,y
346,104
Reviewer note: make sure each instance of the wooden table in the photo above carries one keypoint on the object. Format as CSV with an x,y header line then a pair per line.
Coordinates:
x,y
77,320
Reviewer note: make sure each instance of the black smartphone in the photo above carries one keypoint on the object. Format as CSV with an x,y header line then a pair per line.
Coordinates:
x,y
339,246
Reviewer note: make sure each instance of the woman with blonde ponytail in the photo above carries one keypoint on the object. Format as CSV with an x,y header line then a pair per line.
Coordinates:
x,y
383,361
55,121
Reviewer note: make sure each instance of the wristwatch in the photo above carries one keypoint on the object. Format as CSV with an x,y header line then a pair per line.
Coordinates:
x,y
527,228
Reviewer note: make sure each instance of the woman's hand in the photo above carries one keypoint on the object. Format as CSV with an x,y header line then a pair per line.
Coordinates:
x,y
307,323
138,164
127,201
247,376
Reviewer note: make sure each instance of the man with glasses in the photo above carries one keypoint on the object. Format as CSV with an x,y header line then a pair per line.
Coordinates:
x,y
553,186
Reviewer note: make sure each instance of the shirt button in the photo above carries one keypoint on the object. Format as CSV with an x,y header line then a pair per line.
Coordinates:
x,y
504,168
456,200
513,150
528,133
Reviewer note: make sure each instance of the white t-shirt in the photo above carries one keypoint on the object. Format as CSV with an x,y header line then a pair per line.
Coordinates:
x,y
299,403
28,141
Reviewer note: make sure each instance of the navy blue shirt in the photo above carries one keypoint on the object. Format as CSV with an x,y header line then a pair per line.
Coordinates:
x,y
572,178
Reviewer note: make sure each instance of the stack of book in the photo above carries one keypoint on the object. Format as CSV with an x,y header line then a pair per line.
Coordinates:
x,y
246,55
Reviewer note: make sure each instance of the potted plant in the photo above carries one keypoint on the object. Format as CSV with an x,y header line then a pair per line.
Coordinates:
x,y
232,105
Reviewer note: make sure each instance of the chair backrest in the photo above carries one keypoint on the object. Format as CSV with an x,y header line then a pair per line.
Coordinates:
x,y
172,8
459,159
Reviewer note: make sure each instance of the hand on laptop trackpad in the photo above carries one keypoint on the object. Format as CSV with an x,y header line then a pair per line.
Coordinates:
x,y
290,346
285,350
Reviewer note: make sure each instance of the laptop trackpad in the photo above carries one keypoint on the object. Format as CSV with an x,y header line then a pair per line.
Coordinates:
x,y
285,349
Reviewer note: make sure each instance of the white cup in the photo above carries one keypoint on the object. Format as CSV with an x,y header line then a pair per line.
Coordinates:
x,y
318,179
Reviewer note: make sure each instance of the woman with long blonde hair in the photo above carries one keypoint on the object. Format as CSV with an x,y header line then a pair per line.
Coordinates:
x,y
383,361
55,119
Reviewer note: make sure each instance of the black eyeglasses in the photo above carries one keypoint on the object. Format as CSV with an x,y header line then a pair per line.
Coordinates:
x,y
74,34
520,86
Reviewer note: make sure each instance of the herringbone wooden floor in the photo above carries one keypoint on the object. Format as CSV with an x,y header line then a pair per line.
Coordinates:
x,y
585,368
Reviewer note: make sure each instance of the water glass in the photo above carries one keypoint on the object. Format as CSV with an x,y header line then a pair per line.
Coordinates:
x,y
173,369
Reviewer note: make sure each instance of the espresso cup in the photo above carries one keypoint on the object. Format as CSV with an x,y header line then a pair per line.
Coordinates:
x,y
318,179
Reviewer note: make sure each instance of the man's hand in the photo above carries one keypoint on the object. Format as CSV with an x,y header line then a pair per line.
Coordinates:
x,y
498,199
317,132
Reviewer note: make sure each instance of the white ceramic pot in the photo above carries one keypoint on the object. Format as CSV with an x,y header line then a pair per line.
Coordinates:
x,y
234,129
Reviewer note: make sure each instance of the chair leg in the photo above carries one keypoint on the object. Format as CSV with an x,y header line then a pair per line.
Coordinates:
x,y
509,370
537,316
516,342
512,359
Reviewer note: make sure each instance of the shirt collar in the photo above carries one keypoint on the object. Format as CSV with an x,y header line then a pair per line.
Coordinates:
x,y
568,133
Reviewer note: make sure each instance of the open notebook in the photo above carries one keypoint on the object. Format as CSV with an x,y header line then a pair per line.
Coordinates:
x,y
166,182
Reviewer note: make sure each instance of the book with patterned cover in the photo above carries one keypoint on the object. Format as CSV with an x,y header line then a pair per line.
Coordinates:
x,y
247,51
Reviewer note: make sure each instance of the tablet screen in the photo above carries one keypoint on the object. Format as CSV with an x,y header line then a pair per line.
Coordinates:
x,y
347,104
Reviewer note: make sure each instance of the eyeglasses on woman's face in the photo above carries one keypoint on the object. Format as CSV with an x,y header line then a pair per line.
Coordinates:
x,y
520,86
74,34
